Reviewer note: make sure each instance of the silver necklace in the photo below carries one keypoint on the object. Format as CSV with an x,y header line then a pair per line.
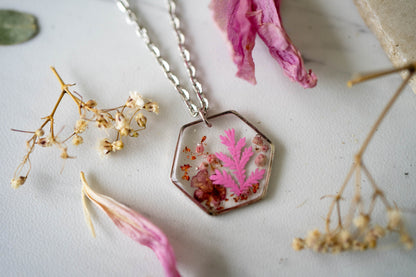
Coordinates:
x,y
214,164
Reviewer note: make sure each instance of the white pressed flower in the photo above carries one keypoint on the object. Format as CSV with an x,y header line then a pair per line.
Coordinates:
x,y
121,121
135,100
117,145
81,126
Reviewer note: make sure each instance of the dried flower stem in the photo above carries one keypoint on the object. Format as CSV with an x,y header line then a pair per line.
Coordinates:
x,y
358,165
84,205
339,238
121,121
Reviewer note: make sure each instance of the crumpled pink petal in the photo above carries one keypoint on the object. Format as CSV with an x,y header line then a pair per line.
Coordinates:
x,y
136,227
241,20
230,15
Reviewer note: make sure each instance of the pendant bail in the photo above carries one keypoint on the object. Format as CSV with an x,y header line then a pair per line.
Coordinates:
x,y
203,115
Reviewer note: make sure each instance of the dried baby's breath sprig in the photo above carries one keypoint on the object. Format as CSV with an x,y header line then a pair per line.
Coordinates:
x,y
355,231
125,120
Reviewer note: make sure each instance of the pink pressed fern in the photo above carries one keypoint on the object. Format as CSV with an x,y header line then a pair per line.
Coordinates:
x,y
236,163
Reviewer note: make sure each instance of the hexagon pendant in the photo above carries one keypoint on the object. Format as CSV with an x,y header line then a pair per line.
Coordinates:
x,y
223,167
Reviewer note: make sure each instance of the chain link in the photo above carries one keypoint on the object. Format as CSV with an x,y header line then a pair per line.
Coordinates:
x,y
141,31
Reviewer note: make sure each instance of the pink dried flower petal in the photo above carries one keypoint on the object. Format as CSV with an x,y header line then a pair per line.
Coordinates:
x,y
270,29
241,20
136,227
231,17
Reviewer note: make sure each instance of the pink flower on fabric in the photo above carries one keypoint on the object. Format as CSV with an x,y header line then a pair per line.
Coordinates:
x,y
134,225
241,20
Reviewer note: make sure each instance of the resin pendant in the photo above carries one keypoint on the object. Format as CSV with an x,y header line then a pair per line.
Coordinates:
x,y
222,167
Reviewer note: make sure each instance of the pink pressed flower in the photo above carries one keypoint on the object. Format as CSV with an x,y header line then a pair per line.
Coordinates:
x,y
236,163
206,191
212,159
265,148
257,140
199,148
241,20
135,226
260,160
203,165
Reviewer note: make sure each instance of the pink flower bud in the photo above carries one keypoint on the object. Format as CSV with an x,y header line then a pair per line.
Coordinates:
x,y
199,148
260,160
257,140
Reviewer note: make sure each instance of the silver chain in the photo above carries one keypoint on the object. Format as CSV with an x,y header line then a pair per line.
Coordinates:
x,y
141,31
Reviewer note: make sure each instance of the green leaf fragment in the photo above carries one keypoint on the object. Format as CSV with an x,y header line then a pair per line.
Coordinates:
x,y
16,27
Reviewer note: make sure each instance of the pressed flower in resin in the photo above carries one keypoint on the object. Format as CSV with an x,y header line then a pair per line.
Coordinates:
x,y
222,168
236,163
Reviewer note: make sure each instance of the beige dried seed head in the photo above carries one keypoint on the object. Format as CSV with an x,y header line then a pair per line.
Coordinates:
x,y
152,107
77,140
361,221
64,154
45,142
39,133
298,244
407,241
121,121
141,120
81,126
124,132
117,145
105,146
91,103
17,182
378,231
395,219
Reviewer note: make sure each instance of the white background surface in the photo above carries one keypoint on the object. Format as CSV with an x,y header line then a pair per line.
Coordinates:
x,y
316,133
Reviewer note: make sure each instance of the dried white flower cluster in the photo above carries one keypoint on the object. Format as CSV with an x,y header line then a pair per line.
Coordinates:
x,y
362,238
127,120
